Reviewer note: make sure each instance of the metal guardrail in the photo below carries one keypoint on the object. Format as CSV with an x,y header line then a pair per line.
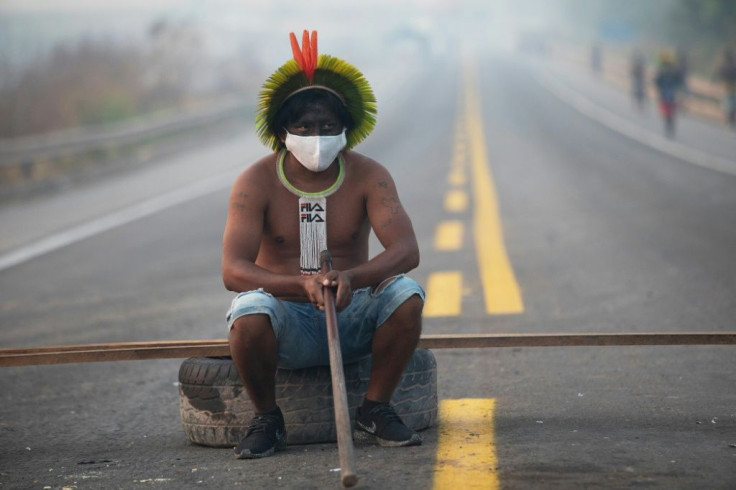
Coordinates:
x,y
82,139
19,155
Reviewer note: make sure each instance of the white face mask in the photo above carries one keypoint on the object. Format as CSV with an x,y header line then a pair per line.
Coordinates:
x,y
316,153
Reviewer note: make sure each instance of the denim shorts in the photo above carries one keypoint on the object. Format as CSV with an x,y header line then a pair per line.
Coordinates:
x,y
300,328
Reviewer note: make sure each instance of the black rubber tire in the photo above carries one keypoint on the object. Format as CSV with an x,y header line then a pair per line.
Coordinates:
x,y
215,409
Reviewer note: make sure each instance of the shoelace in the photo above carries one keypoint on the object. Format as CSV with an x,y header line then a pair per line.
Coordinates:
x,y
386,413
261,423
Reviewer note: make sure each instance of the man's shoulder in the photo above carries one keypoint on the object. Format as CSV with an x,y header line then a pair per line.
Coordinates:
x,y
361,163
368,174
266,163
261,171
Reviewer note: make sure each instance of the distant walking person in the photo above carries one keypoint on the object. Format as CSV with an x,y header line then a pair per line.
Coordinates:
x,y
682,62
668,81
638,74
727,73
683,65
596,59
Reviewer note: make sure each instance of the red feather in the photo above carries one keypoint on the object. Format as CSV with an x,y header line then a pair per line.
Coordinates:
x,y
306,57
295,50
314,49
305,51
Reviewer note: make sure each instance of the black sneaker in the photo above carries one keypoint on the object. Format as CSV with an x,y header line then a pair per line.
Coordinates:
x,y
382,425
266,434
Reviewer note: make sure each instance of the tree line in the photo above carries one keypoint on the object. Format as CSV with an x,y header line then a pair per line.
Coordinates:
x,y
94,81
702,27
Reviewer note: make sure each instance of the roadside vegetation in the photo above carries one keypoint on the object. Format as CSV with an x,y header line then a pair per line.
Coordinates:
x,y
95,81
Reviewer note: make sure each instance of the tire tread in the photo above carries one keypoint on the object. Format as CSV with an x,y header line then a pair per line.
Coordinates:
x,y
215,409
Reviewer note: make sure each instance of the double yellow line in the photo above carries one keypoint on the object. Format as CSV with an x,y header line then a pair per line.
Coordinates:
x,y
501,291
500,288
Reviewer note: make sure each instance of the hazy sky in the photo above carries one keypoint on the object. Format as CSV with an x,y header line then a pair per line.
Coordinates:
x,y
230,27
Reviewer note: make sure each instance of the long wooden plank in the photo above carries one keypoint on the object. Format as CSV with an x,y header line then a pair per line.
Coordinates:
x,y
115,346
128,351
113,354
575,340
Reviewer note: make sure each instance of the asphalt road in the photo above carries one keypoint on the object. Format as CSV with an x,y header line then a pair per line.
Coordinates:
x,y
604,233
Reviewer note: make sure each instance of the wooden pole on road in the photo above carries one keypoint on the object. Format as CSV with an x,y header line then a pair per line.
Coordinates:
x,y
177,349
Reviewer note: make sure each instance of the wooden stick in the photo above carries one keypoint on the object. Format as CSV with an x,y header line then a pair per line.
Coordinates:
x,y
128,351
339,390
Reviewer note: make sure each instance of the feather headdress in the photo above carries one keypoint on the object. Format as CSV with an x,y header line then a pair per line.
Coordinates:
x,y
310,70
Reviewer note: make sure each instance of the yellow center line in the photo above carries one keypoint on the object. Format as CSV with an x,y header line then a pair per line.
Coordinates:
x,y
501,290
456,201
444,294
456,178
449,236
457,168
466,456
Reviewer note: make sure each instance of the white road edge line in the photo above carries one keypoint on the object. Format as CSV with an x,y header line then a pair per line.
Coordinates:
x,y
643,136
115,219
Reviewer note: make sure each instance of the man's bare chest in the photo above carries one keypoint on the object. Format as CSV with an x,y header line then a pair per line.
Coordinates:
x,y
343,215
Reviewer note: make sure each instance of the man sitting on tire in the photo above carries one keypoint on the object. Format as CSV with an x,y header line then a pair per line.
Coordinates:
x,y
314,193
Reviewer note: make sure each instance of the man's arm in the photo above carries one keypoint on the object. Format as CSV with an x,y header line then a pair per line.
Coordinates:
x,y
393,229
242,239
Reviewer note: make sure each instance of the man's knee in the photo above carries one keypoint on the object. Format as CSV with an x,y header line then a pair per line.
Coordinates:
x,y
255,321
251,308
251,331
408,316
411,308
